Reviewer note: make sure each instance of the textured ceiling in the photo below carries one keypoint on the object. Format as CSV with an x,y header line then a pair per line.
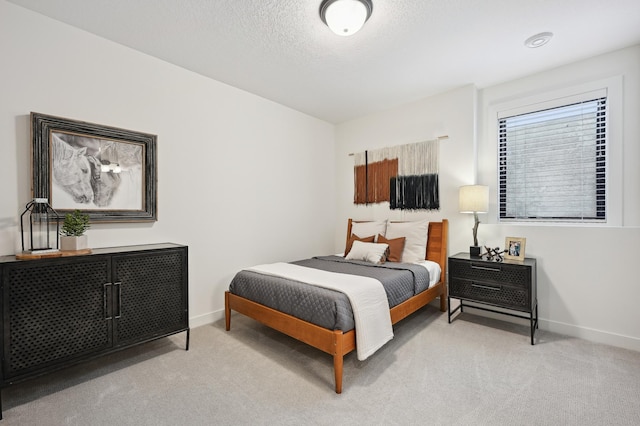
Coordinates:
x,y
408,50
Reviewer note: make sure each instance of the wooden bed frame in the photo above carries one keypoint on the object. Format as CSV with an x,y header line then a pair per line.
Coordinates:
x,y
335,342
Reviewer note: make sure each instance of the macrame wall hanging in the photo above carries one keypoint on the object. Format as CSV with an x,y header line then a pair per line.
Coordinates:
x,y
406,176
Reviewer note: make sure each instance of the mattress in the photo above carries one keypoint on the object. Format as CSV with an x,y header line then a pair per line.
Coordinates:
x,y
325,307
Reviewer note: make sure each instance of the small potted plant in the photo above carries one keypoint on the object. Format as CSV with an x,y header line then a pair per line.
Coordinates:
x,y
72,234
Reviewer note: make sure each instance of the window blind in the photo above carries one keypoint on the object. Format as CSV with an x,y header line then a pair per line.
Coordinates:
x,y
552,163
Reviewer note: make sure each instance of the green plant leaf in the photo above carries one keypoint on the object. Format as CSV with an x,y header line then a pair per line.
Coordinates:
x,y
75,224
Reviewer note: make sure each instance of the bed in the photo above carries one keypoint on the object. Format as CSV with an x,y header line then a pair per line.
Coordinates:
x,y
327,338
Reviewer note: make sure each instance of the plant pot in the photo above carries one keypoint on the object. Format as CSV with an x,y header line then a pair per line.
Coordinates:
x,y
74,243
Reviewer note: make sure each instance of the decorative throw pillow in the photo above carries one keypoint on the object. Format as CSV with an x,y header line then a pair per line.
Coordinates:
x,y
415,245
353,238
369,228
396,246
369,252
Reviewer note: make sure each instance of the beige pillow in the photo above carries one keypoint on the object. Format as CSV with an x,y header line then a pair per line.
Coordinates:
x,y
369,252
353,238
369,228
415,245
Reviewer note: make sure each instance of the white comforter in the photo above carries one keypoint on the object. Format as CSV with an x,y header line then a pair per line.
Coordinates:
x,y
367,296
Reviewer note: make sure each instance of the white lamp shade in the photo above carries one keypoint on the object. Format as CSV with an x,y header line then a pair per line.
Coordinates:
x,y
474,198
346,17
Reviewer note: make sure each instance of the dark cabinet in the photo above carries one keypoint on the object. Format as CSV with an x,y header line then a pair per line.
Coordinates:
x,y
63,310
509,285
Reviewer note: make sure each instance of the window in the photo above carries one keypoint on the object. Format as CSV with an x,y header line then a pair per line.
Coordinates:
x,y
552,162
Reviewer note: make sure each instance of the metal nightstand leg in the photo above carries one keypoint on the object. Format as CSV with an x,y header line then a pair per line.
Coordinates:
x,y
458,308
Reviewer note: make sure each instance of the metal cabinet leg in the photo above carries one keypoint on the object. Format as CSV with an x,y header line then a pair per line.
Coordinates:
x,y
534,323
533,328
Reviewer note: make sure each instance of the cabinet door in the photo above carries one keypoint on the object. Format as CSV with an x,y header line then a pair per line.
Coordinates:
x,y
150,295
55,311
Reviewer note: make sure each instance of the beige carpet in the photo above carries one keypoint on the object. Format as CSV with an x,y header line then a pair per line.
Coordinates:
x,y
475,371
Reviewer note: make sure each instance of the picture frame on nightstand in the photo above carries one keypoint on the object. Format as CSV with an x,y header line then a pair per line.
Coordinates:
x,y
514,248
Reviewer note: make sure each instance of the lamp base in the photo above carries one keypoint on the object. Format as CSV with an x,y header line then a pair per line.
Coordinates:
x,y
474,251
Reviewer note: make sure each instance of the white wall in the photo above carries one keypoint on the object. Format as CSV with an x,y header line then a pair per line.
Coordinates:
x,y
240,178
450,114
587,281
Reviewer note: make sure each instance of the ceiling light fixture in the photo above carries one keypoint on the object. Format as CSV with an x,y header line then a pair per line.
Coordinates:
x,y
345,17
538,40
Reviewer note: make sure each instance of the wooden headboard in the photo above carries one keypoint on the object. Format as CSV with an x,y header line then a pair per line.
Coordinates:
x,y
436,243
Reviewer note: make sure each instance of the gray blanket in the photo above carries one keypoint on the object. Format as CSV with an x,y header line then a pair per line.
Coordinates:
x,y
324,307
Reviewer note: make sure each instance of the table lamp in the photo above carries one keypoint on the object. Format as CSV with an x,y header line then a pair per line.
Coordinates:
x,y
474,199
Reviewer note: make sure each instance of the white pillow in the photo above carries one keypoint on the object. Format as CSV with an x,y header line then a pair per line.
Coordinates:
x,y
415,245
369,252
366,229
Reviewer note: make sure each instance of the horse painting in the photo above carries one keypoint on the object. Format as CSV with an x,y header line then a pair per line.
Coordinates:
x,y
103,184
81,168
71,170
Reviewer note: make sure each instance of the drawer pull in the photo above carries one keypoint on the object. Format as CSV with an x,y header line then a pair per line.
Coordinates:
x,y
486,268
486,287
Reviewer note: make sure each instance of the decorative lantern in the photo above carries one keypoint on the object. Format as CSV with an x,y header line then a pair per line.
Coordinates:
x,y
40,230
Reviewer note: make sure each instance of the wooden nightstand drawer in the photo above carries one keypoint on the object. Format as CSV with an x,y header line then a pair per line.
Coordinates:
x,y
512,297
493,272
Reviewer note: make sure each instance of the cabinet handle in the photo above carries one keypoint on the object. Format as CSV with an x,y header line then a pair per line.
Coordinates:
x,y
486,287
119,286
104,298
486,268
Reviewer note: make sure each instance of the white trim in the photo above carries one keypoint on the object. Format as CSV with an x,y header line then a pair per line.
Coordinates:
x,y
589,334
570,330
613,87
206,319
552,102
592,335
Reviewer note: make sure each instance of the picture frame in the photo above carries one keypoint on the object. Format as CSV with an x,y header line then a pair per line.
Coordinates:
x,y
514,248
106,172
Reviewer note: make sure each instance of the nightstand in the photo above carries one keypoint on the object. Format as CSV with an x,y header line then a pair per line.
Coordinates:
x,y
509,285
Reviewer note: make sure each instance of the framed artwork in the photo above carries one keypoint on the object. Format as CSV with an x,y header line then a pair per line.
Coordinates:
x,y
108,173
514,248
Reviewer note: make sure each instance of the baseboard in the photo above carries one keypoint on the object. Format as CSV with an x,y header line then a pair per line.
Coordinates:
x,y
571,330
206,319
590,334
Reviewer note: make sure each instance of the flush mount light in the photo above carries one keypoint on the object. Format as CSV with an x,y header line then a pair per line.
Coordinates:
x,y
538,40
345,17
